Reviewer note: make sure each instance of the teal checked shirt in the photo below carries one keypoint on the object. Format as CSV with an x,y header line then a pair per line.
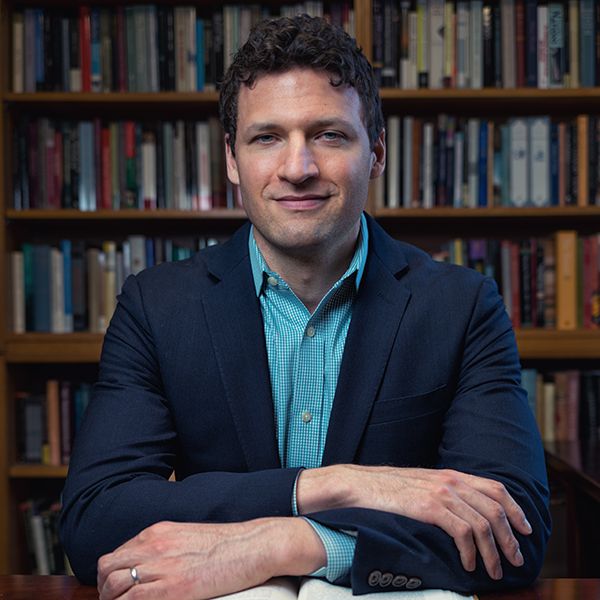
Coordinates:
x,y
305,353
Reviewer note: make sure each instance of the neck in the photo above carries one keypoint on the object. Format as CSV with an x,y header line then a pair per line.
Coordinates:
x,y
310,276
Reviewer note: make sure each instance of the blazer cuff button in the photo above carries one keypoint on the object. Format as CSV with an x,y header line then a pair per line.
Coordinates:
x,y
399,581
386,579
412,583
374,578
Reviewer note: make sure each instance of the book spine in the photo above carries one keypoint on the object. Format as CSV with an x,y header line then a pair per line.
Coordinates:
x,y
566,280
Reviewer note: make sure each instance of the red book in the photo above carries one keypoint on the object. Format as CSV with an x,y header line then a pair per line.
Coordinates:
x,y
85,48
130,166
106,170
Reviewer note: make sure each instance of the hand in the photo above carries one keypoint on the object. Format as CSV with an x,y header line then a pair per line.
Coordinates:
x,y
477,513
191,561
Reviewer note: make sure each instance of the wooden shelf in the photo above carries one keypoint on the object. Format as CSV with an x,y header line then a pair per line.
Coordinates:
x,y
37,471
552,344
86,347
443,212
105,98
122,215
53,348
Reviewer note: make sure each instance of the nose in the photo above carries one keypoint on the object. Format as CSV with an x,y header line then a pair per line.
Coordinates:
x,y
298,162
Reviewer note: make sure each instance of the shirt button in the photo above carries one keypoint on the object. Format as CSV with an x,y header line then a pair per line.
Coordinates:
x,y
310,331
306,416
272,281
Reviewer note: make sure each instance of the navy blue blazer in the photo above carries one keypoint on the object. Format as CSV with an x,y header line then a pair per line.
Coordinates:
x,y
429,377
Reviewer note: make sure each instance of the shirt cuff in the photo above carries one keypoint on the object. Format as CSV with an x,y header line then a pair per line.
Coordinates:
x,y
339,546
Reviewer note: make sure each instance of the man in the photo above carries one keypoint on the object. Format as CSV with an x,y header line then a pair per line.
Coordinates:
x,y
310,339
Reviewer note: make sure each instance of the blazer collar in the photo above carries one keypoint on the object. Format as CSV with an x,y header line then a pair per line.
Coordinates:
x,y
378,312
235,324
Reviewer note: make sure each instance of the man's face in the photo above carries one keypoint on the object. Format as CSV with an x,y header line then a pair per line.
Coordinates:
x,y
303,162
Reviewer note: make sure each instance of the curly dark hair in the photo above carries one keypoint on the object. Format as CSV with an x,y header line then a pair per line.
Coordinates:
x,y
278,45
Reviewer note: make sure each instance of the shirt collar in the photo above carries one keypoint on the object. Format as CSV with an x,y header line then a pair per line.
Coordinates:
x,y
359,260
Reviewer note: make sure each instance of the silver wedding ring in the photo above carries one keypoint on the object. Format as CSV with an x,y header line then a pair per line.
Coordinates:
x,y
134,575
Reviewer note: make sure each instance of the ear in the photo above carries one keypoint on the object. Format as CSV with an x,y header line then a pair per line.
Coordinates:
x,y
232,170
378,156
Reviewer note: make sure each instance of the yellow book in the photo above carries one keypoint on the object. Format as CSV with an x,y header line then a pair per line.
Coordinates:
x,y
566,280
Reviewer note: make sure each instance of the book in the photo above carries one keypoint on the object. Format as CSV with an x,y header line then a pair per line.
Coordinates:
x,y
556,40
436,45
587,42
508,44
539,160
289,588
566,279
519,167
542,48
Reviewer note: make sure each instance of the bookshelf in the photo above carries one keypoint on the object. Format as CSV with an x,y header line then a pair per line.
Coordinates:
x,y
33,357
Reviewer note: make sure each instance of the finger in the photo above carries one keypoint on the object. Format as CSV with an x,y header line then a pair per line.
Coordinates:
x,y
117,583
490,521
498,492
472,533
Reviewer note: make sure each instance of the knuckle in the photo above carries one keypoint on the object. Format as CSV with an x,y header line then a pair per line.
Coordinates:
x,y
482,527
463,531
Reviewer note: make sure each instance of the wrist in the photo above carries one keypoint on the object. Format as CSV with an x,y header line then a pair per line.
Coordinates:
x,y
297,549
324,488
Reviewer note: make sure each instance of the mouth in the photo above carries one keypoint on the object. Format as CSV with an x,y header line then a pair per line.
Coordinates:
x,y
303,202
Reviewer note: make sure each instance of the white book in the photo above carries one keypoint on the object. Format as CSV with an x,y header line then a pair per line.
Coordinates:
x,y
39,545
473,162
287,588
137,254
57,291
17,279
18,56
204,171
407,160
539,160
428,192
393,167
459,162
436,44
542,46
509,63
462,45
519,162
412,77
476,44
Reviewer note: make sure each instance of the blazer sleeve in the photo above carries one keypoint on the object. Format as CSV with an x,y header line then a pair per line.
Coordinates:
x,y
128,445
488,430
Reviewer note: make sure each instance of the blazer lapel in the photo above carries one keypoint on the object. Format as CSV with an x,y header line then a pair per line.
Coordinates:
x,y
236,329
379,308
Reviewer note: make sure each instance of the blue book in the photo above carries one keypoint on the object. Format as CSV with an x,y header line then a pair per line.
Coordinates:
x,y
65,247
482,194
95,49
41,288
554,166
87,170
40,61
200,54
529,384
531,42
149,252
587,48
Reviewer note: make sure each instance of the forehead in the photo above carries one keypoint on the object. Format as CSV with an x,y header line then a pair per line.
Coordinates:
x,y
297,92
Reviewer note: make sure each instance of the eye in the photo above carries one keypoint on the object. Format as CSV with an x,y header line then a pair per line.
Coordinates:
x,y
332,135
265,138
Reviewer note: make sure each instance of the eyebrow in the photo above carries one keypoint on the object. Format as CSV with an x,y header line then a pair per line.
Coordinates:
x,y
259,127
